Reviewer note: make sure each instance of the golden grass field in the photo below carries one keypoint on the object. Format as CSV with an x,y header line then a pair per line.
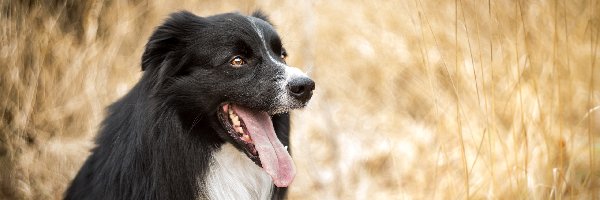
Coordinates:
x,y
415,99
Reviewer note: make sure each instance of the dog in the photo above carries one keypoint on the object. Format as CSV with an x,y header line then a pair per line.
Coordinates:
x,y
209,118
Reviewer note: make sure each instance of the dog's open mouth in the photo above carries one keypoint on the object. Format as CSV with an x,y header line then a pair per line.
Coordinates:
x,y
253,131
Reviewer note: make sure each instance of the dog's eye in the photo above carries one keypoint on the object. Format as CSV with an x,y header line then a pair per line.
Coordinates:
x,y
237,61
283,55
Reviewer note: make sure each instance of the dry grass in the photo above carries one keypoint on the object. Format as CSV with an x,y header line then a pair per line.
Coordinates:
x,y
415,99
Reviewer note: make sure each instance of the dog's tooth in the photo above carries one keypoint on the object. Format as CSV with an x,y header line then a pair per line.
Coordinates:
x,y
236,122
233,117
246,138
239,129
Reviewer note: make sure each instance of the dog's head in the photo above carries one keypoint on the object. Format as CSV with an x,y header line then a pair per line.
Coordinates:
x,y
231,69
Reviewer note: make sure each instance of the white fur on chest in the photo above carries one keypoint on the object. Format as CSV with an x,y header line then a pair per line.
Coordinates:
x,y
233,175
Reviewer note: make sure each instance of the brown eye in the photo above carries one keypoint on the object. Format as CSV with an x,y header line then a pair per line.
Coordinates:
x,y
283,56
237,61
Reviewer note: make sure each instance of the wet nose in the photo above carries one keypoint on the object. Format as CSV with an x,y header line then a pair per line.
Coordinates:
x,y
301,88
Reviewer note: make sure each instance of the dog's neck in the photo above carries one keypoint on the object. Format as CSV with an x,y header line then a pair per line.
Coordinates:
x,y
233,175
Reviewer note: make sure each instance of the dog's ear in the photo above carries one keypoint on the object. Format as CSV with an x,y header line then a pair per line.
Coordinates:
x,y
261,15
169,38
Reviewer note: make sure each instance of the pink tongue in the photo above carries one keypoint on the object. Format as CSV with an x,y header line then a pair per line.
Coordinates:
x,y
275,159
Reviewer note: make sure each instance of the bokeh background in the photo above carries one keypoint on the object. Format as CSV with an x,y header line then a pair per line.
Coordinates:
x,y
415,99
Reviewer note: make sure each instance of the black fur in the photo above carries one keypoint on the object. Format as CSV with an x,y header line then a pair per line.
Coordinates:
x,y
159,137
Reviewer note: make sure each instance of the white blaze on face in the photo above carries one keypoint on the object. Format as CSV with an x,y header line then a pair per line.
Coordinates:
x,y
291,73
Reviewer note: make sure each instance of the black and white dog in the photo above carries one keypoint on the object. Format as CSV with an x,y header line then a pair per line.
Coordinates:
x,y
208,119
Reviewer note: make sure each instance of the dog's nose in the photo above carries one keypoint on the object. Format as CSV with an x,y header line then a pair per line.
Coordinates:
x,y
301,88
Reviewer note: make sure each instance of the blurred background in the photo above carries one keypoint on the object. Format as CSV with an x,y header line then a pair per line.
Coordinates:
x,y
415,99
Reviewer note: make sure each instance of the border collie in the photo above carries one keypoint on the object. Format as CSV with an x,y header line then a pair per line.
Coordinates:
x,y
207,120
